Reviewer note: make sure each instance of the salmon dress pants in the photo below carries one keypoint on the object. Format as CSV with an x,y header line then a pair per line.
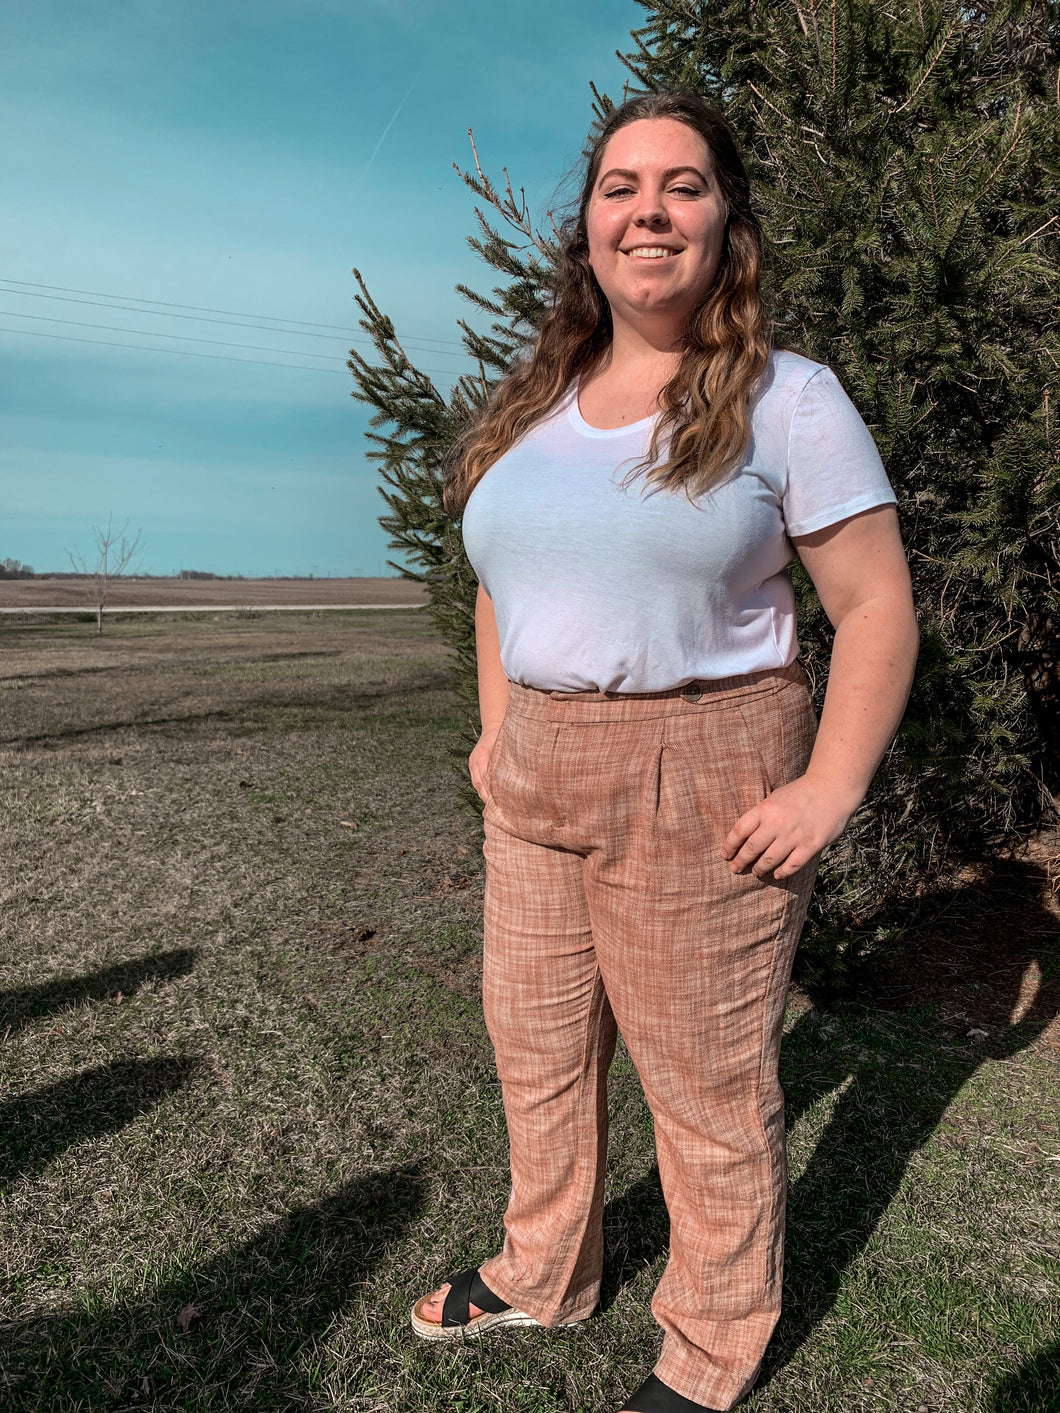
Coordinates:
x,y
608,901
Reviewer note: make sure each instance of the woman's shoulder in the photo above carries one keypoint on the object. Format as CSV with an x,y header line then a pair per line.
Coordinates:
x,y
786,379
787,371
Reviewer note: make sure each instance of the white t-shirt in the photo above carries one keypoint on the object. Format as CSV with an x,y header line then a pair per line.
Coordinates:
x,y
597,585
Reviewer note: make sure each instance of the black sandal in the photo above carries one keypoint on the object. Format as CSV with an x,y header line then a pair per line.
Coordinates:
x,y
654,1396
467,1288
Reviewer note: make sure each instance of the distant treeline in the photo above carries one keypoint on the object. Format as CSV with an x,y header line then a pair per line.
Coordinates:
x,y
14,569
204,574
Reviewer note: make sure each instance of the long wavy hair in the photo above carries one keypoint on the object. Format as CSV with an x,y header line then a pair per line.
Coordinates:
x,y
704,410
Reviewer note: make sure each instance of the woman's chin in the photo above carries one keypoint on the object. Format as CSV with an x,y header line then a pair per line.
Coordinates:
x,y
656,304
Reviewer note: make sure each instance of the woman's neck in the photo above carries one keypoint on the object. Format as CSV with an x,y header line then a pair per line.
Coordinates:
x,y
625,385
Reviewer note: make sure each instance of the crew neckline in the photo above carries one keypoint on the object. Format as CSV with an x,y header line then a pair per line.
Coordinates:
x,y
579,423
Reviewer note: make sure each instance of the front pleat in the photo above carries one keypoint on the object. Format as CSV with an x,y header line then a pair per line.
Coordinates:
x,y
749,718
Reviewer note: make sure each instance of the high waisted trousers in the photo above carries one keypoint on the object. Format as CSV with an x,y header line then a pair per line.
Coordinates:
x,y
608,900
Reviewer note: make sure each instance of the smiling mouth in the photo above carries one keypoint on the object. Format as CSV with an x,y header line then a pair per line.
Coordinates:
x,y
650,252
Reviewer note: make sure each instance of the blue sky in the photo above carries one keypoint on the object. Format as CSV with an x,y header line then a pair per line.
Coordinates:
x,y
243,155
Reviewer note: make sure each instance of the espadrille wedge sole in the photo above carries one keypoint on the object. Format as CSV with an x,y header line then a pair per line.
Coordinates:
x,y
467,1288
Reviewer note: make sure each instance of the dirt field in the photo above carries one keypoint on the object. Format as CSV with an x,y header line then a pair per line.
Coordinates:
x,y
196,593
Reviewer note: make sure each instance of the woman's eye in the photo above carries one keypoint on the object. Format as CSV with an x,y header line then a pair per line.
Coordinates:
x,y
685,190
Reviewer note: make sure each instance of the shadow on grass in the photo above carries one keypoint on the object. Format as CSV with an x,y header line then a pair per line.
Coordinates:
x,y
242,1330
25,1004
35,1128
52,674
987,964
123,723
636,1233
1033,1388
315,706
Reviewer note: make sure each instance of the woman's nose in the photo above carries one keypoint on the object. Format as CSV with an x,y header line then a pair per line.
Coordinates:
x,y
651,210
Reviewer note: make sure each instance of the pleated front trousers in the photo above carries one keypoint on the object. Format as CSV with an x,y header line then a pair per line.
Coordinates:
x,y
608,901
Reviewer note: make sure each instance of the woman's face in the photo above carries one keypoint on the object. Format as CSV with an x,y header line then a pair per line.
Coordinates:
x,y
656,224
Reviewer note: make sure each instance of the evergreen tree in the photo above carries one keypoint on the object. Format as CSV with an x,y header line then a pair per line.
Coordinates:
x,y
906,164
414,426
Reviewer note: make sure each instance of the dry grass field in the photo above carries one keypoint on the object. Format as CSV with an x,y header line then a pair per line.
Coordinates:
x,y
201,593
247,1106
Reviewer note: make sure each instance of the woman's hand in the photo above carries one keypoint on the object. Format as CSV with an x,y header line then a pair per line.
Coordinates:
x,y
479,761
789,828
858,568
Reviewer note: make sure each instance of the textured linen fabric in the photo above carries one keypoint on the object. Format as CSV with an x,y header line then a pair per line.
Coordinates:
x,y
600,585
607,900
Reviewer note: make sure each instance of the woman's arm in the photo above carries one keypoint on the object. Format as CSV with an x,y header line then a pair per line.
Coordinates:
x,y
492,688
859,570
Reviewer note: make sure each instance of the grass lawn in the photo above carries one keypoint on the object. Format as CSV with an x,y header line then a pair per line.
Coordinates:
x,y
247,1106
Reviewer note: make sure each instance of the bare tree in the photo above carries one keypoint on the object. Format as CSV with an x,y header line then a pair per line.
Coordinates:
x,y
115,551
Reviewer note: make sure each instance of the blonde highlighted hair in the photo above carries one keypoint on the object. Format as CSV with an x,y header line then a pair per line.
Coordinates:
x,y
704,410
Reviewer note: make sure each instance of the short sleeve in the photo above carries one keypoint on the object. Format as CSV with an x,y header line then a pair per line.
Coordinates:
x,y
834,470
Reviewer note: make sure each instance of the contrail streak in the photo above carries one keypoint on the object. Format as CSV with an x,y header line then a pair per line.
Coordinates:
x,y
393,120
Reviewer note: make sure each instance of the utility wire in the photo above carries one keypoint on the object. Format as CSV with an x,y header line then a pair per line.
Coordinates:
x,y
194,353
184,338
228,323
205,309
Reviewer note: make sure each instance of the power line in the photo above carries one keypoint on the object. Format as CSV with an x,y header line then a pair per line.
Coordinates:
x,y
228,323
183,352
205,309
150,333
193,353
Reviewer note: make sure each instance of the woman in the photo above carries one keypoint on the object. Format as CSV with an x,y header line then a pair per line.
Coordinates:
x,y
655,801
